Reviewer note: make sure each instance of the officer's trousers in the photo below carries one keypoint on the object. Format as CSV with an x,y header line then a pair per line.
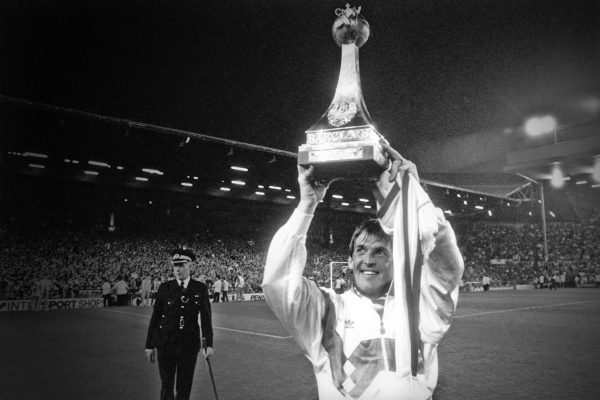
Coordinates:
x,y
176,366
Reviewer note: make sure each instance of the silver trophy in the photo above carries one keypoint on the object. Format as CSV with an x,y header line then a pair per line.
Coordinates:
x,y
343,143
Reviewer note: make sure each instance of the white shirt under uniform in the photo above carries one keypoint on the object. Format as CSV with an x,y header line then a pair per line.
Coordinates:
x,y
349,339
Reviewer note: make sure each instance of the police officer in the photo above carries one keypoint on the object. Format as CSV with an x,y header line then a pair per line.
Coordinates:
x,y
174,329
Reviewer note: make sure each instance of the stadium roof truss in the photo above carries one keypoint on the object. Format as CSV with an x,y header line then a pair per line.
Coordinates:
x,y
520,193
525,169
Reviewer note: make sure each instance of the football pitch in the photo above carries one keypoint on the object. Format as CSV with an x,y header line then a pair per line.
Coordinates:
x,y
535,344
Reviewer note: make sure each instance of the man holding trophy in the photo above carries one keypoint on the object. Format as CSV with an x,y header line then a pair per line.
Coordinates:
x,y
378,340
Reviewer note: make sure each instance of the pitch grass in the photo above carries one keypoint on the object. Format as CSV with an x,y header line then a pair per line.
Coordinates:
x,y
502,345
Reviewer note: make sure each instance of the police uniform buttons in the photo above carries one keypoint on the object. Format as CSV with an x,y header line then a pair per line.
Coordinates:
x,y
182,306
160,326
162,316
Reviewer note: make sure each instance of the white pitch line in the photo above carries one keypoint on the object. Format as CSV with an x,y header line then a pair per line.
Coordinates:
x,y
519,309
253,333
214,327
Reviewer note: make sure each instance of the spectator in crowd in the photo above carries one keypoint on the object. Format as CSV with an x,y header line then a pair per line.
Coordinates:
x,y
554,281
45,286
485,282
217,287
121,289
134,283
239,287
146,290
106,293
340,284
224,290
34,304
155,285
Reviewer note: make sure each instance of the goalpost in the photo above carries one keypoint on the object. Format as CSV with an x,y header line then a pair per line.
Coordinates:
x,y
343,265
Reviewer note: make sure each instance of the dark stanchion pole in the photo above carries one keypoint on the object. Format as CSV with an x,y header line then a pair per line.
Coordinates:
x,y
3,174
544,231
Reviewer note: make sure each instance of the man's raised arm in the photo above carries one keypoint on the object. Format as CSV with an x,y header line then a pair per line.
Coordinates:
x,y
296,301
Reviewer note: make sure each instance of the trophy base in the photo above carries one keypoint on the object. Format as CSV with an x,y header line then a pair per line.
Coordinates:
x,y
350,163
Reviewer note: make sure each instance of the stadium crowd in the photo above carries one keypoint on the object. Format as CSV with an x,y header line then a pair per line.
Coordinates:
x,y
78,263
514,253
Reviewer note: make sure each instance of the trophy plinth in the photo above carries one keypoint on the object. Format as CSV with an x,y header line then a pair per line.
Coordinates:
x,y
343,143
351,153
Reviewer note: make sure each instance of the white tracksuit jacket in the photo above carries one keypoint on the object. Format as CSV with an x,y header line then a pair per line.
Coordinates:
x,y
348,338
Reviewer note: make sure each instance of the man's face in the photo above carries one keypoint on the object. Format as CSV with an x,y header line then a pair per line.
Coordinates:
x,y
181,271
371,263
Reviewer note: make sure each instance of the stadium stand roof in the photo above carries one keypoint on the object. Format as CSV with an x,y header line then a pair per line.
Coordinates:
x,y
54,142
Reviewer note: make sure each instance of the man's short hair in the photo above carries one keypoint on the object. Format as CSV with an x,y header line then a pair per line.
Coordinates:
x,y
371,227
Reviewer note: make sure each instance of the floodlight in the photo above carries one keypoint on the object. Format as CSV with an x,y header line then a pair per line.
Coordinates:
x,y
596,170
557,180
36,155
99,164
151,171
540,125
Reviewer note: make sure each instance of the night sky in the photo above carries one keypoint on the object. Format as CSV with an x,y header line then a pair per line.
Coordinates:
x,y
264,71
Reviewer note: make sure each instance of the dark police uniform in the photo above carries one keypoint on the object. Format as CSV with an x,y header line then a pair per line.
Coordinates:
x,y
174,331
